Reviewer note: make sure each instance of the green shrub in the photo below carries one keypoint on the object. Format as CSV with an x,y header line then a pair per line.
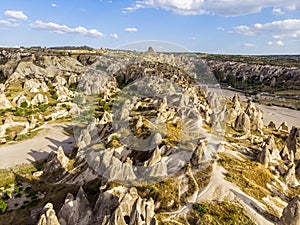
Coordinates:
x,y
202,208
55,96
73,87
7,186
21,137
3,207
24,105
18,190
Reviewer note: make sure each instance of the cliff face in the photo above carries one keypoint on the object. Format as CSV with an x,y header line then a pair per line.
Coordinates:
x,y
259,76
255,76
10,58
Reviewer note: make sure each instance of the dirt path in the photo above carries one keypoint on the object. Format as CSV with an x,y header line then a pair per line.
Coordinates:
x,y
48,139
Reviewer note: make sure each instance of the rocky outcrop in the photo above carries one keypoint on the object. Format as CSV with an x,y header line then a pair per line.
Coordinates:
x,y
28,70
39,99
155,158
48,216
293,142
63,93
272,125
21,101
255,116
119,205
269,151
242,123
237,74
287,155
32,85
264,157
290,176
199,154
291,213
75,210
269,143
131,208
283,127
4,102
57,160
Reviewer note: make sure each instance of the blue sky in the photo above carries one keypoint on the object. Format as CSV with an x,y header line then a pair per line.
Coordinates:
x,y
211,26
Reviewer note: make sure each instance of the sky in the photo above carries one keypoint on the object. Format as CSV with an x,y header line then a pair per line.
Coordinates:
x,y
207,26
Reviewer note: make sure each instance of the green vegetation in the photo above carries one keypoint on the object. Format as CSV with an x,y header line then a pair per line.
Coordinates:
x,y
3,206
114,143
218,213
27,111
252,177
8,176
24,105
202,208
165,192
73,87
202,177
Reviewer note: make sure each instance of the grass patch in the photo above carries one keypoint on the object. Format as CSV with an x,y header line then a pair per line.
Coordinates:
x,y
3,207
218,213
7,177
252,177
203,177
165,192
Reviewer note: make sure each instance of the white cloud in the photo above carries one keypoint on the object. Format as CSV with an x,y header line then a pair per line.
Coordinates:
x,y
291,7
277,43
281,29
248,45
131,29
63,29
277,12
19,15
115,36
53,5
8,23
219,7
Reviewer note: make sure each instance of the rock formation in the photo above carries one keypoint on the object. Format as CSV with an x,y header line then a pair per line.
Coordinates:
x,y
271,125
293,142
264,157
283,127
4,102
48,216
291,213
199,154
75,210
57,160
255,116
117,206
242,123
39,99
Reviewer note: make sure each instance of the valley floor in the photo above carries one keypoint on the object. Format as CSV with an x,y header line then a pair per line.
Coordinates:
x,y
38,148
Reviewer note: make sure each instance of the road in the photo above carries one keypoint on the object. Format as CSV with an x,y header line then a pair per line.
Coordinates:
x,y
48,139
